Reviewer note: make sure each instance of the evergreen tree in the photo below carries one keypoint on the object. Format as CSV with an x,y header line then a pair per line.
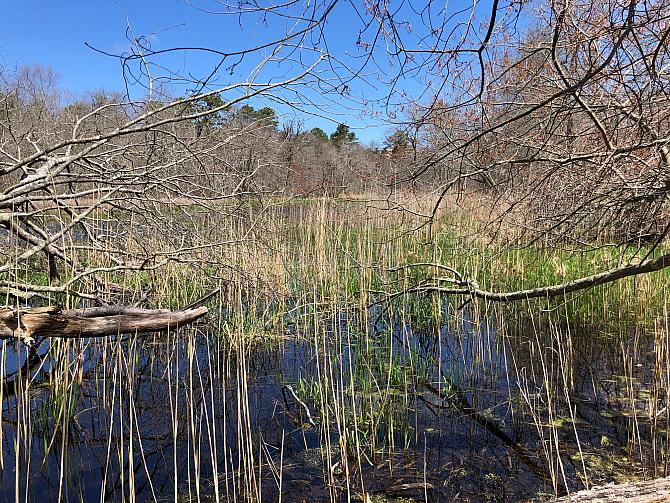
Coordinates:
x,y
266,115
319,134
342,136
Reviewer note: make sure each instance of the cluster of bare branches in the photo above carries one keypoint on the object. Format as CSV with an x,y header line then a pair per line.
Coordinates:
x,y
557,108
566,119
89,190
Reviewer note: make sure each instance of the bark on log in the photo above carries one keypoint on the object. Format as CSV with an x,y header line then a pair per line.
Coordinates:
x,y
28,323
650,491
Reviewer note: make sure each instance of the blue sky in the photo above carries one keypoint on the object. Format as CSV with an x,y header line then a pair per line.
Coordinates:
x,y
55,34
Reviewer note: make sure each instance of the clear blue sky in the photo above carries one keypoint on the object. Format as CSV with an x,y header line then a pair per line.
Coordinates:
x,y
54,34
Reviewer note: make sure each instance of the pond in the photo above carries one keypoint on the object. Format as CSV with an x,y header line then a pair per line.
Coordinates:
x,y
375,404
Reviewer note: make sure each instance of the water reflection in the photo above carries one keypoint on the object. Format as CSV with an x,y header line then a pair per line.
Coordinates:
x,y
464,410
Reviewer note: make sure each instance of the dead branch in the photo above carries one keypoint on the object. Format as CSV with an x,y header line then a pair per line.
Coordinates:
x,y
641,492
470,287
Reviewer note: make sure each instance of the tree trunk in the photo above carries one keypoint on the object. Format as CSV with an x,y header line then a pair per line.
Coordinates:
x,y
29,323
649,491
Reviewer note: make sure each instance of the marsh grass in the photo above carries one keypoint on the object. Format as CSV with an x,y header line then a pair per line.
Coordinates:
x,y
408,393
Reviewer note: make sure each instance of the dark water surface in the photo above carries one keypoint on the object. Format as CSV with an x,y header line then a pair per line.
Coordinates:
x,y
401,409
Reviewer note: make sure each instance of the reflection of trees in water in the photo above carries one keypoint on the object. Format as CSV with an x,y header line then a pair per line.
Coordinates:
x,y
160,398
182,401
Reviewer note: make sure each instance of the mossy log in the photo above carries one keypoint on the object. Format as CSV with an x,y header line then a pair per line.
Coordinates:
x,y
649,491
27,324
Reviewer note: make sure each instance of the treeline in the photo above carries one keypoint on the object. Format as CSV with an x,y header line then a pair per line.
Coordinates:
x,y
207,147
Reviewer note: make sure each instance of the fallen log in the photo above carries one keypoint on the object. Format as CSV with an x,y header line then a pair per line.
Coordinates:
x,y
649,491
27,324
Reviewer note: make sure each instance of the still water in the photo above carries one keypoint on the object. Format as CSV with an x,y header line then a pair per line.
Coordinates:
x,y
335,408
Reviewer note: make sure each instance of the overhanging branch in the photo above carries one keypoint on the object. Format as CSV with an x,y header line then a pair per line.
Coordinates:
x,y
472,289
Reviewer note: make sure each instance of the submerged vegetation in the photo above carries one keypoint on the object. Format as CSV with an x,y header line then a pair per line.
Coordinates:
x,y
308,384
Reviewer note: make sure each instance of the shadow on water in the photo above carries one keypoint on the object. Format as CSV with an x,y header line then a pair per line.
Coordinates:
x,y
332,407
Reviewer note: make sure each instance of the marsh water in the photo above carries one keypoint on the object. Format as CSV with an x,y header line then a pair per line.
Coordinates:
x,y
335,407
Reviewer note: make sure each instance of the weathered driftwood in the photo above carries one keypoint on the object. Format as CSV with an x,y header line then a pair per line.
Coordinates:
x,y
29,323
650,491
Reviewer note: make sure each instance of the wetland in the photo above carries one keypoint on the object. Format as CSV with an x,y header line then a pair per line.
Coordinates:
x,y
305,383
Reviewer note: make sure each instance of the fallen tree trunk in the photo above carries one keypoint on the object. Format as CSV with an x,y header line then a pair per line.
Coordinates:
x,y
649,491
27,324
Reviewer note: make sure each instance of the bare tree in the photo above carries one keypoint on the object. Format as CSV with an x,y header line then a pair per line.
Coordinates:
x,y
557,110
89,191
